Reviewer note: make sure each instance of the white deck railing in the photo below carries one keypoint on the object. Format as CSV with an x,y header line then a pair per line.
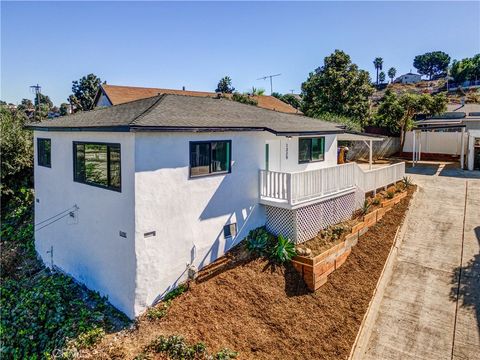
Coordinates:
x,y
372,180
299,187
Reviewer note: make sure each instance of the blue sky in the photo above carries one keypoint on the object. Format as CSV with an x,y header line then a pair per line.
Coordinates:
x,y
165,44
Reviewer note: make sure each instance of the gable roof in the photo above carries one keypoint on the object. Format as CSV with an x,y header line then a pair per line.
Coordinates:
x,y
121,94
187,113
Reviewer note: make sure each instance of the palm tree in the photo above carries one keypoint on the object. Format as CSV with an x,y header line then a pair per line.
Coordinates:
x,y
391,73
257,91
378,63
381,77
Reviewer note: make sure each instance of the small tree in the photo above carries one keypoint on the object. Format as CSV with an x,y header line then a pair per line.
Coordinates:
x,y
397,112
292,100
378,63
257,91
64,107
432,64
381,77
466,69
225,86
84,91
391,73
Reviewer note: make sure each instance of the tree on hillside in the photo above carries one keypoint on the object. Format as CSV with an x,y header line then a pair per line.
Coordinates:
x,y
225,86
378,63
338,87
16,152
25,104
277,95
397,112
292,100
432,64
381,77
466,69
257,91
84,91
391,73
64,107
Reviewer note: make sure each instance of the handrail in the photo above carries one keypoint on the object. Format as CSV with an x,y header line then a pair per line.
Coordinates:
x,y
302,186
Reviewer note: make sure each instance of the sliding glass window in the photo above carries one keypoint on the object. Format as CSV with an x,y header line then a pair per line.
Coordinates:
x,y
97,164
210,157
311,149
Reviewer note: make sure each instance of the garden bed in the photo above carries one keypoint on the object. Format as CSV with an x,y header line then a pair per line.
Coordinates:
x,y
264,312
330,249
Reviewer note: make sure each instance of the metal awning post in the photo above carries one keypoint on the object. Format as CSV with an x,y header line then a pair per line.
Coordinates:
x,y
413,149
370,155
419,146
462,150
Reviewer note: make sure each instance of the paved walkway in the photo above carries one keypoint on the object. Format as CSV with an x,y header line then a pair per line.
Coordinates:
x,y
431,306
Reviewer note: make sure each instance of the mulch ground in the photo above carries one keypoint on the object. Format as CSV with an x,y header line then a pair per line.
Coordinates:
x,y
266,312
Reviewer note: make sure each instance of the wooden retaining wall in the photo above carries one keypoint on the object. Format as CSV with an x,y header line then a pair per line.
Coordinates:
x,y
315,270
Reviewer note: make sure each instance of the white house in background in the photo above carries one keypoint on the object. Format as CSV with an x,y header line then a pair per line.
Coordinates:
x,y
455,132
408,78
131,197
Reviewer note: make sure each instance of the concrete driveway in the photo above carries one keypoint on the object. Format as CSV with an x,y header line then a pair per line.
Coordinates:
x,y
431,305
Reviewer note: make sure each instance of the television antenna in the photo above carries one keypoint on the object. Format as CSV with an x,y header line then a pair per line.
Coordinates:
x,y
36,89
271,82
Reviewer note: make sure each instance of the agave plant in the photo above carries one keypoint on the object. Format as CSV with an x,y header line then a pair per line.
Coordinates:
x,y
284,250
258,241
407,182
365,207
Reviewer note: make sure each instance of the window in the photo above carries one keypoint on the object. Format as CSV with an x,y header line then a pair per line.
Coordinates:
x,y
44,149
210,157
97,164
311,149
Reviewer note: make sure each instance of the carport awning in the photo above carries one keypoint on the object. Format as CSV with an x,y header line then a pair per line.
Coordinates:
x,y
367,139
358,137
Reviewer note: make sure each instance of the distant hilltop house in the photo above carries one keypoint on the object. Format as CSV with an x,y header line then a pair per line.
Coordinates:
x,y
109,95
408,78
152,189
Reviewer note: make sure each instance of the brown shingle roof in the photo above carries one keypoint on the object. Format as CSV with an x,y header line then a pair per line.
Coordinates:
x,y
122,94
188,113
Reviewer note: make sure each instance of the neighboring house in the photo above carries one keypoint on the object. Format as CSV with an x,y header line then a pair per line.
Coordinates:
x,y
455,132
114,95
132,198
408,78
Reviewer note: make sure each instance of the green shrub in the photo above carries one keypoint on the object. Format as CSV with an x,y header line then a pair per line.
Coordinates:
x,y
284,250
179,290
244,99
177,348
90,338
390,194
376,201
225,354
159,311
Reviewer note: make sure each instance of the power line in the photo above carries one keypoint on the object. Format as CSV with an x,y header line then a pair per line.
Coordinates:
x,y
55,220
271,82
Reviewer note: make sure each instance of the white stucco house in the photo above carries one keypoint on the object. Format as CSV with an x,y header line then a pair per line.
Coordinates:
x,y
131,196
409,78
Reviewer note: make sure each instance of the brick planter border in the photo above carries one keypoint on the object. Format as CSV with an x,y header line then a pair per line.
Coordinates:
x,y
315,270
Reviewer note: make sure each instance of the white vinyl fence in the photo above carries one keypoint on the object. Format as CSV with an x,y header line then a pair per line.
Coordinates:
x,y
297,187
448,142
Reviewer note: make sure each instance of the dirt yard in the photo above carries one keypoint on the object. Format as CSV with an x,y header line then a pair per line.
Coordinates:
x,y
266,312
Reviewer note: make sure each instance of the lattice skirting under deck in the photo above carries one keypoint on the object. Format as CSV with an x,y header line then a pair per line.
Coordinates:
x,y
304,223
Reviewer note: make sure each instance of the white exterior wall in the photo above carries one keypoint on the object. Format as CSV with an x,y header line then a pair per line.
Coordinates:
x,y
436,142
88,247
285,154
188,215
409,79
